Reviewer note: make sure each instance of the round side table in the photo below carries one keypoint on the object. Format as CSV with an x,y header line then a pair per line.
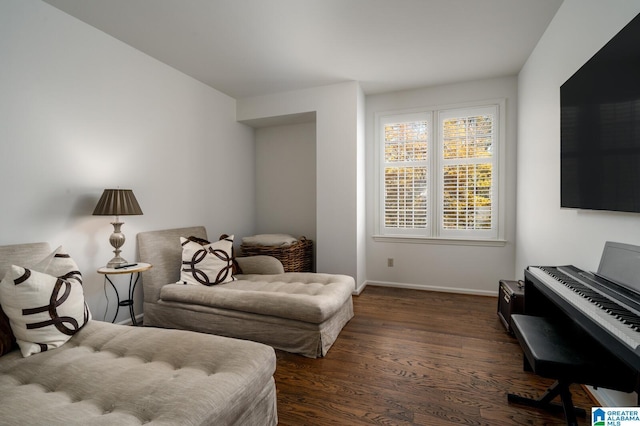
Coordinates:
x,y
134,270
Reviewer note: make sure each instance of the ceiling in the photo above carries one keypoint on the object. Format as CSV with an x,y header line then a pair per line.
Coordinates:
x,y
249,48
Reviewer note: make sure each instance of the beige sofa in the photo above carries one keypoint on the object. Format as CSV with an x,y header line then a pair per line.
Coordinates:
x,y
109,374
296,312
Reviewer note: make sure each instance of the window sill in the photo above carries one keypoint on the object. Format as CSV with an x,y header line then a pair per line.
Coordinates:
x,y
406,239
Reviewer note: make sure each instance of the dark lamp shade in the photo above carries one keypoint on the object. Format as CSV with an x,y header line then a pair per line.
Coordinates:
x,y
117,202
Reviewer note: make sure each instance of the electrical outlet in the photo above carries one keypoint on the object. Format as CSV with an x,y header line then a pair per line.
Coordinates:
x,y
390,262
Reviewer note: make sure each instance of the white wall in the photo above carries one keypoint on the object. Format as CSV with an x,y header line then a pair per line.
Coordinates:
x,y
80,112
439,266
337,199
545,233
286,180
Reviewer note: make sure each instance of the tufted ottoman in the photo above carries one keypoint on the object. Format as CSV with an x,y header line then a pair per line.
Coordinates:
x,y
295,311
117,375
108,374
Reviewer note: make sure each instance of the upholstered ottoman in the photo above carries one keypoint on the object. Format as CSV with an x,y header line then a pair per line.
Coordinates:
x,y
109,374
296,312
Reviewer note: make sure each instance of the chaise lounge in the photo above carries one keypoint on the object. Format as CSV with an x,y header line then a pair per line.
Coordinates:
x,y
108,374
296,312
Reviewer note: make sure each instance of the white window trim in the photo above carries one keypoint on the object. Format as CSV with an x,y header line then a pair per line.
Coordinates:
x,y
434,237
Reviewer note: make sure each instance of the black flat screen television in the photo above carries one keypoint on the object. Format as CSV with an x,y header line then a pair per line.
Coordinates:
x,y
600,128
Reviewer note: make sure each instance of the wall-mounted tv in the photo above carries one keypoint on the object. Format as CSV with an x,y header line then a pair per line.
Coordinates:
x,y
600,128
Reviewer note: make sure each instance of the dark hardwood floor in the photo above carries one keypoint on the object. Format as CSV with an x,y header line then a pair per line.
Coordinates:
x,y
412,357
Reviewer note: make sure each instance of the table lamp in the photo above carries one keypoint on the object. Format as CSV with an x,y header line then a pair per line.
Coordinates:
x,y
117,202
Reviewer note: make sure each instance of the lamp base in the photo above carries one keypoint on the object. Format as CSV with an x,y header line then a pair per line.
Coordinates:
x,y
117,240
116,261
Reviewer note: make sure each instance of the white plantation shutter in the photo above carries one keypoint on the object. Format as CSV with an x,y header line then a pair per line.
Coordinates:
x,y
467,139
405,152
406,197
466,202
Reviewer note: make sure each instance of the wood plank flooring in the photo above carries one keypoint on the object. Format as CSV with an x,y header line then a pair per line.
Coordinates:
x,y
412,357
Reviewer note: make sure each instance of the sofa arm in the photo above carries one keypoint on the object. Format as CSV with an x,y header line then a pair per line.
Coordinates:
x,y
264,265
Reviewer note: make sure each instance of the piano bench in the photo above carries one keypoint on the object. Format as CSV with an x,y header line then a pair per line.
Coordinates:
x,y
564,352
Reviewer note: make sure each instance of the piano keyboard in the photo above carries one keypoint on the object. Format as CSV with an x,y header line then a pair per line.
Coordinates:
x,y
615,318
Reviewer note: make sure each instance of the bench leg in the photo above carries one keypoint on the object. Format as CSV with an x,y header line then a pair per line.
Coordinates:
x,y
569,409
544,402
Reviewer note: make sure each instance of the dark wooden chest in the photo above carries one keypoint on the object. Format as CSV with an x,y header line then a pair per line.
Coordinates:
x,y
510,301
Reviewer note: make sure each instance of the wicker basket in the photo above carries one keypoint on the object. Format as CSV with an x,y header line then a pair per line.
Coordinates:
x,y
298,257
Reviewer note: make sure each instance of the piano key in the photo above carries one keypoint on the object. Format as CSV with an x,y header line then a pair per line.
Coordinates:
x,y
613,317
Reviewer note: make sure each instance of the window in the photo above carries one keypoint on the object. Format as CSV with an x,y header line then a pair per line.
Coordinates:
x,y
439,173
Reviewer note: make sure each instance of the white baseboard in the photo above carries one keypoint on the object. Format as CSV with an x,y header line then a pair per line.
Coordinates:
x,y
427,288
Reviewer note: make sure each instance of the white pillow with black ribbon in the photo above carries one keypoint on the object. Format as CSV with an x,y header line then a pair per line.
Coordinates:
x,y
45,303
206,264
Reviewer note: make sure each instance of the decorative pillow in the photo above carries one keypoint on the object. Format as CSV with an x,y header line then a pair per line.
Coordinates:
x,y
236,266
7,339
45,304
206,264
